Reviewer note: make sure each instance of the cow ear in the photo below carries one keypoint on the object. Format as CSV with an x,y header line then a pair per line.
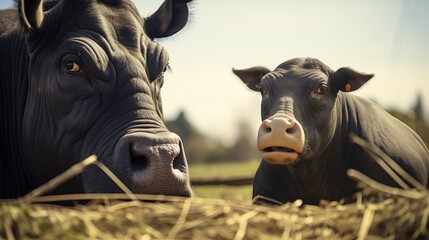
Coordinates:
x,y
31,14
251,76
171,16
349,80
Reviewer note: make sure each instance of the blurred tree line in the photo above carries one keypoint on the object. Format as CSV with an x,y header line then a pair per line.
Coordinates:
x,y
414,118
201,148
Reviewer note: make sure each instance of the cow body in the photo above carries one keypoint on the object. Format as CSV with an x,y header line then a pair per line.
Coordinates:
x,y
83,77
308,116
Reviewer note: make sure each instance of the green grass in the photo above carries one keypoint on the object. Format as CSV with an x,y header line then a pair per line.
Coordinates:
x,y
224,170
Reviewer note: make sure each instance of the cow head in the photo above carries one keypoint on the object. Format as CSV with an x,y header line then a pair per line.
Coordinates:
x,y
95,74
298,106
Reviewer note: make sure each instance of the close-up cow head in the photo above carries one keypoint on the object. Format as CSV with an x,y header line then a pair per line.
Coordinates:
x,y
94,79
298,106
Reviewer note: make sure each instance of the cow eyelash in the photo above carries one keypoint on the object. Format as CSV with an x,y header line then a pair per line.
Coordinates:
x,y
167,68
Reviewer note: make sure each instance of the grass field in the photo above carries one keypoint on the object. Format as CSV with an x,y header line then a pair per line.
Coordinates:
x,y
224,170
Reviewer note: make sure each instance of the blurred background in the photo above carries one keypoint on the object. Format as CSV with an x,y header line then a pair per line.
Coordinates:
x,y
218,117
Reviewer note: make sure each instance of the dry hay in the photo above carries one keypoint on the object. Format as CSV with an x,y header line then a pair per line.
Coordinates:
x,y
378,212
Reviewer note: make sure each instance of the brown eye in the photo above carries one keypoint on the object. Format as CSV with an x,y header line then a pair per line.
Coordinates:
x,y
72,67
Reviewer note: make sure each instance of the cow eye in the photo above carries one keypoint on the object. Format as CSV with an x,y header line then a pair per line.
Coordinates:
x,y
322,89
72,67
167,67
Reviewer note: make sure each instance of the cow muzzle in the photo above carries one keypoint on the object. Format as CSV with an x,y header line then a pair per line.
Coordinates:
x,y
280,140
157,163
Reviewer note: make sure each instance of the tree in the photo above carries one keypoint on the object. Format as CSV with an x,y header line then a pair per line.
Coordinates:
x,y
194,142
422,127
200,148
244,148
418,108
181,126
414,119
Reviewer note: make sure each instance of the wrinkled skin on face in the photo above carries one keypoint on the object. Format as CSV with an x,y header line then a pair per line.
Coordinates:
x,y
95,75
308,116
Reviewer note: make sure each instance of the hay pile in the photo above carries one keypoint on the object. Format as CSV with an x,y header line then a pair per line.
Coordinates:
x,y
378,212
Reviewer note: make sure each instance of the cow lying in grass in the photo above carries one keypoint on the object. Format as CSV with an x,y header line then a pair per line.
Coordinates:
x,y
307,118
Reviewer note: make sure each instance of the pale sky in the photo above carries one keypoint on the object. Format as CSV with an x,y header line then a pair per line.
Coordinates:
x,y
389,38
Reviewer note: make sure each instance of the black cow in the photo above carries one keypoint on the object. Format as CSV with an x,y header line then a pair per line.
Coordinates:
x,y
83,77
308,116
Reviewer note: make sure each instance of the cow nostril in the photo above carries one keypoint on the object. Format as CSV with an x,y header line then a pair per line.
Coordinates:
x,y
138,162
293,130
179,164
266,129
179,161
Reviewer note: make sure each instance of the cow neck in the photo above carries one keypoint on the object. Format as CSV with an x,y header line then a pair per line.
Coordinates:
x,y
15,174
325,176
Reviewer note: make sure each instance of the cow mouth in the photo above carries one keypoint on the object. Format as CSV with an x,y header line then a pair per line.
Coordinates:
x,y
279,155
278,149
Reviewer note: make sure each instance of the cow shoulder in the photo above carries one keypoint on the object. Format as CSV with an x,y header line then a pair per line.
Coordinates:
x,y
376,126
